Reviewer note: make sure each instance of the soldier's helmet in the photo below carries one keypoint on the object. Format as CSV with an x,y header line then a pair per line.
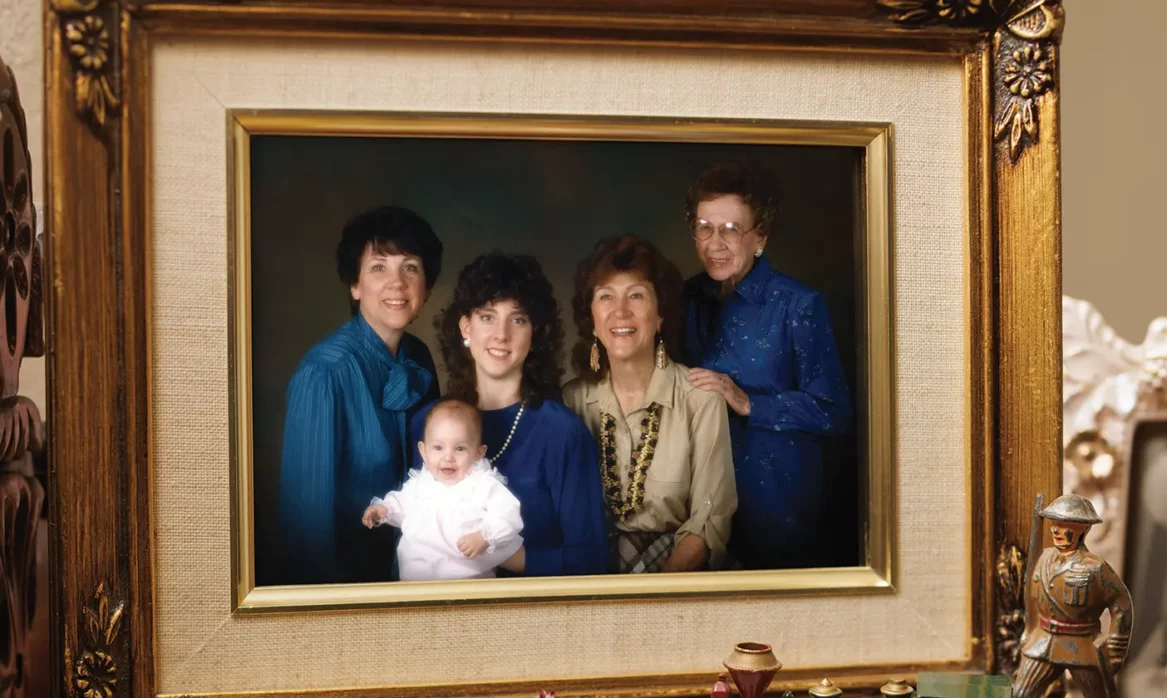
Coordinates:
x,y
1071,507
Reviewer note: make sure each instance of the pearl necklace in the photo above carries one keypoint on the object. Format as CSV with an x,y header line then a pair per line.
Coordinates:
x,y
514,425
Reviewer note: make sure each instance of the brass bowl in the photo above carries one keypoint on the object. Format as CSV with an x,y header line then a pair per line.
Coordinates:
x,y
752,656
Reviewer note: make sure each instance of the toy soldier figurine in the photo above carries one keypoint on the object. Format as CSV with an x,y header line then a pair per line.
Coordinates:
x,y
1069,588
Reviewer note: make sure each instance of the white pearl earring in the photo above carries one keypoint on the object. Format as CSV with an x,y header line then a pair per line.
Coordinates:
x,y
758,252
466,342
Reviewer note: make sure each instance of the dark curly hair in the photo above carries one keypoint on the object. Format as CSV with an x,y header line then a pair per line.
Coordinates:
x,y
758,187
497,277
626,253
390,230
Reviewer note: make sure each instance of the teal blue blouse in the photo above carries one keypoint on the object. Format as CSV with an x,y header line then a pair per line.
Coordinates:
x,y
345,442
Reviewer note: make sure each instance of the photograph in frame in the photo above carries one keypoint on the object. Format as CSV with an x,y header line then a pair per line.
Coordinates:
x,y
522,197
552,201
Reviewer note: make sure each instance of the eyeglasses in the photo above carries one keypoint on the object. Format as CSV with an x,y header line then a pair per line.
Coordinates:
x,y
731,232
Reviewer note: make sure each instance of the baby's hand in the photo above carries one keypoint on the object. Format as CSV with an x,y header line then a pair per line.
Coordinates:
x,y
472,545
374,514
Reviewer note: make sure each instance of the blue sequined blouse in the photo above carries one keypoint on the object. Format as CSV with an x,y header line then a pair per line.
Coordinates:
x,y
773,337
345,431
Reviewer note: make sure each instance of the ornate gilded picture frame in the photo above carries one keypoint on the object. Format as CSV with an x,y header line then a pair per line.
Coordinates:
x,y
141,98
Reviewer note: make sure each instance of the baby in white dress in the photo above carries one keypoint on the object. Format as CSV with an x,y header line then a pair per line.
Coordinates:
x,y
457,518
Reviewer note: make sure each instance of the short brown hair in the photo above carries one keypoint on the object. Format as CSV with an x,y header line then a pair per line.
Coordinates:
x,y
757,186
457,407
609,257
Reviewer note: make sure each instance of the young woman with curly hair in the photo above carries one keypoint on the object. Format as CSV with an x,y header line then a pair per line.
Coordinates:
x,y
501,338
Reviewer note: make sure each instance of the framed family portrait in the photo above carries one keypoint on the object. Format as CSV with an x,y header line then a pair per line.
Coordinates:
x,y
716,324
575,182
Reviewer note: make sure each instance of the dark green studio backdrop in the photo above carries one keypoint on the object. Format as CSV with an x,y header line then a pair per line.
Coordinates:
x,y
550,199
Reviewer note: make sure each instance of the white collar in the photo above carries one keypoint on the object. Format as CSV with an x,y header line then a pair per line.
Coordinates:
x,y
480,466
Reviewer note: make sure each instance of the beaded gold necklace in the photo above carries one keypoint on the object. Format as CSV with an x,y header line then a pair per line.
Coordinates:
x,y
642,455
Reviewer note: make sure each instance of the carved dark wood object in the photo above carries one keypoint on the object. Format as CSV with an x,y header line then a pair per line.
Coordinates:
x,y
21,431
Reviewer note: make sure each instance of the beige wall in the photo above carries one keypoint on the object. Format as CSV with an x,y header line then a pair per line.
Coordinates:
x,y
21,32
1113,160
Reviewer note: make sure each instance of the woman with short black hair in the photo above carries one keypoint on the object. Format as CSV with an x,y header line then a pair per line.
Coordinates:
x,y
349,400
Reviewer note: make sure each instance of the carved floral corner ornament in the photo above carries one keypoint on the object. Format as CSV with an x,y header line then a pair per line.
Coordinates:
x,y
924,11
89,42
1027,34
95,671
1011,614
1010,608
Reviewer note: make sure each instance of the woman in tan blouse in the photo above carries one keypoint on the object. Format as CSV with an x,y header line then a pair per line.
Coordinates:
x,y
665,458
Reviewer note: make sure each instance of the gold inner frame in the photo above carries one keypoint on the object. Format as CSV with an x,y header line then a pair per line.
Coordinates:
x,y
876,372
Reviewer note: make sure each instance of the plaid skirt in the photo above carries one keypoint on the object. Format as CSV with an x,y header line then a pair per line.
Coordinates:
x,y
634,552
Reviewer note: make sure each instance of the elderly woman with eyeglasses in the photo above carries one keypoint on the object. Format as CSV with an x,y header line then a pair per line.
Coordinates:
x,y
764,342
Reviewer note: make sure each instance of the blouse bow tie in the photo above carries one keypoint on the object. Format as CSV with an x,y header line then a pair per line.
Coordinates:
x,y
406,385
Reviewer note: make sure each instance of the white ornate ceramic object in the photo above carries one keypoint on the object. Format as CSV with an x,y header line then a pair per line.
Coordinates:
x,y
1108,386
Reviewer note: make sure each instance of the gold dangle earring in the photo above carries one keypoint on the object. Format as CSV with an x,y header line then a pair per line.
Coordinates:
x,y
662,359
594,363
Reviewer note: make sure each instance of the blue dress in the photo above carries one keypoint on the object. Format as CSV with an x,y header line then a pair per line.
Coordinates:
x,y
773,337
552,468
348,407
